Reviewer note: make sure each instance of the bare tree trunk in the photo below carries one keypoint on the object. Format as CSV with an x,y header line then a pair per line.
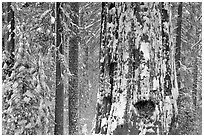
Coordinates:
x,y
8,48
195,79
73,67
138,88
178,44
11,34
9,40
195,72
59,95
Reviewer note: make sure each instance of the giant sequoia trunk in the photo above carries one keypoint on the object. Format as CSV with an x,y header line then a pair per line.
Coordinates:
x,y
59,96
73,67
138,86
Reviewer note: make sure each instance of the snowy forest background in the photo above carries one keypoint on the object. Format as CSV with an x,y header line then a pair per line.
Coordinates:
x,y
49,47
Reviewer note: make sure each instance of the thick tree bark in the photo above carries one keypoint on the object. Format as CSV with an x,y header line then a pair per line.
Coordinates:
x,y
178,44
59,95
138,87
73,67
177,60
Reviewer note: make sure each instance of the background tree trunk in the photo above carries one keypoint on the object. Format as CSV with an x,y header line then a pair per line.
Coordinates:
x,y
59,96
11,22
178,44
195,79
8,43
195,63
138,86
73,67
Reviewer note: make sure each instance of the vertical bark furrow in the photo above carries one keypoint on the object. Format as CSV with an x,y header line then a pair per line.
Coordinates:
x,y
166,49
100,114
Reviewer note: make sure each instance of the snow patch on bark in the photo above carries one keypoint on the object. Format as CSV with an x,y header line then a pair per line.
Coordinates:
x,y
145,49
142,128
117,113
155,84
168,113
103,122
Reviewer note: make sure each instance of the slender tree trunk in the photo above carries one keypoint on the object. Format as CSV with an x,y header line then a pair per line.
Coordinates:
x,y
195,75
138,89
178,44
195,81
11,22
8,47
195,72
59,95
73,67
9,40
84,50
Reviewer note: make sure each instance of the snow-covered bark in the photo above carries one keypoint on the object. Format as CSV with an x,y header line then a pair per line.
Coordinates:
x,y
138,87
